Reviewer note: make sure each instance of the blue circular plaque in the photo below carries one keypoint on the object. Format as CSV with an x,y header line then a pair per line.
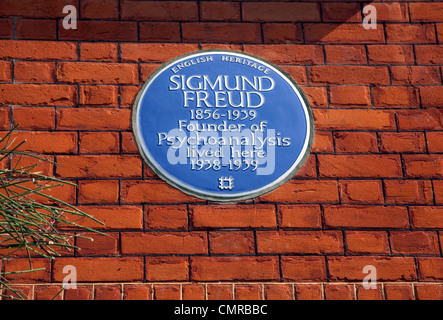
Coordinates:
x,y
222,125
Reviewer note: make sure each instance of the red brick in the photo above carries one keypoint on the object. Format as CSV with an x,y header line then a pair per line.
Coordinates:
x,y
414,242
153,52
431,96
395,97
408,192
421,119
299,268
298,73
280,12
101,166
5,71
167,269
39,165
390,54
231,242
219,291
99,95
352,75
423,166
92,244
193,292
6,28
303,191
355,142
323,142
97,269
430,269
368,294
358,191
350,97
428,291
160,31
21,292
35,118
234,32
38,94
427,217
367,242
402,142
159,10
335,291
128,143
146,69
47,142
164,243
299,216
308,169
278,292
398,292
440,32
415,75
23,264
429,54
83,292
341,12
99,142
35,71
5,118
100,30
166,292
359,166
282,33
288,53
366,217
219,11
152,191
36,29
222,46
38,50
93,119
99,51
137,292
112,217
98,191
345,54
166,217
317,96
234,268
432,12
308,292
107,292
96,72
438,191
34,8
410,33
342,33
388,268
233,216
248,292
102,9
391,12
311,242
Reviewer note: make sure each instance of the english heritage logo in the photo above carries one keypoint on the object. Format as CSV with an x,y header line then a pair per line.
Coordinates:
x,y
222,125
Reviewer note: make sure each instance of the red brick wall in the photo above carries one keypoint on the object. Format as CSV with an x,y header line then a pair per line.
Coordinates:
x,y
371,192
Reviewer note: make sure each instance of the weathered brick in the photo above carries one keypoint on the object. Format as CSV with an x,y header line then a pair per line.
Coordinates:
x,y
234,268
366,217
311,242
164,243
